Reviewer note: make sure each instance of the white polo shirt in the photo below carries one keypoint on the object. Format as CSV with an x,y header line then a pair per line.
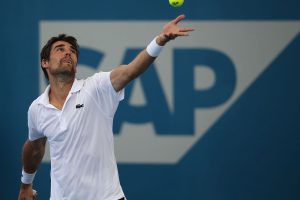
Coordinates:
x,y
83,164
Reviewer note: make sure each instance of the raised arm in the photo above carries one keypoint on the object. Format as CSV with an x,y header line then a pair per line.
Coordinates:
x,y
33,152
123,74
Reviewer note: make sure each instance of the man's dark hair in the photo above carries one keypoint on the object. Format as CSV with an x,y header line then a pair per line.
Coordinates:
x,y
45,53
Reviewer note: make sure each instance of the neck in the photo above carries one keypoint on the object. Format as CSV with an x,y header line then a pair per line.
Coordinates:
x,y
59,90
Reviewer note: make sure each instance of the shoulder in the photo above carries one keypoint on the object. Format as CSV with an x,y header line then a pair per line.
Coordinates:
x,y
99,79
35,105
102,75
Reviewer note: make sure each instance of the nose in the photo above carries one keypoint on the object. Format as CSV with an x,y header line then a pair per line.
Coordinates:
x,y
68,52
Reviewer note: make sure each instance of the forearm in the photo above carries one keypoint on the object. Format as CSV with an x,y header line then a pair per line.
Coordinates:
x,y
145,58
33,152
139,65
122,75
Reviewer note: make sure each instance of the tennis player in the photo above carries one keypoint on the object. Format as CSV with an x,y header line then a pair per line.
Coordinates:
x,y
76,117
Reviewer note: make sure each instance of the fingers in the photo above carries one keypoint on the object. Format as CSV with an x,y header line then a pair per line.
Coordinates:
x,y
172,36
171,30
34,195
179,18
180,32
186,29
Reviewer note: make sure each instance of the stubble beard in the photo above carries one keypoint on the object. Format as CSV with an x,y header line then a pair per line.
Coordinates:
x,y
64,73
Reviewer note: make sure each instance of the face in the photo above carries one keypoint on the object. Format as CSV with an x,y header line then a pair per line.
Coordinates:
x,y
62,60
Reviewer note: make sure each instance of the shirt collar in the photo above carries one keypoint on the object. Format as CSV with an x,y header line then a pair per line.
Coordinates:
x,y
44,99
77,85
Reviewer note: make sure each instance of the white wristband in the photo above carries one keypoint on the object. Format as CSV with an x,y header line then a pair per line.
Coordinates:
x,y
153,49
27,178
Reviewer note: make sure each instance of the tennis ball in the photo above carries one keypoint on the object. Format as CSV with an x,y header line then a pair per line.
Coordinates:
x,y
176,3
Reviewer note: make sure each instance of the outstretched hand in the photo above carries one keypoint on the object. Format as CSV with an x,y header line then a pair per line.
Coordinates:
x,y
171,30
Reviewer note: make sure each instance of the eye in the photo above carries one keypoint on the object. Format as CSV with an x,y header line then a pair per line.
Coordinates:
x,y
60,49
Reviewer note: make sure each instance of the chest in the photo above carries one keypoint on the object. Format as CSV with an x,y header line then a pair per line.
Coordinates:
x,y
58,124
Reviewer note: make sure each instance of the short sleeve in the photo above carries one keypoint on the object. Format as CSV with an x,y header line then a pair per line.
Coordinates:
x,y
107,98
105,80
33,133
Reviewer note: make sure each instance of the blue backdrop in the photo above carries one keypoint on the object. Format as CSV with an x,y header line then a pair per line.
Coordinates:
x,y
250,152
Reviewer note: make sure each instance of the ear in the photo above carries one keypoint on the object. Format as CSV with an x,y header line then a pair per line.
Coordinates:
x,y
44,63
